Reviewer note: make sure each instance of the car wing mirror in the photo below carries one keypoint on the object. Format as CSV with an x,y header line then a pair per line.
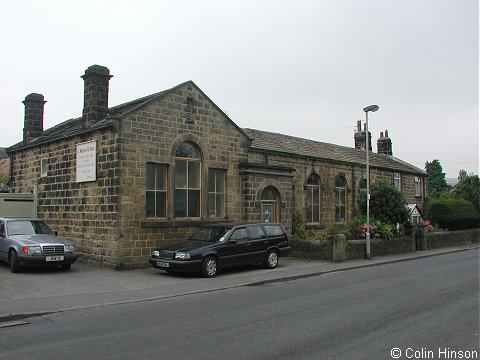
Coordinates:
x,y
232,242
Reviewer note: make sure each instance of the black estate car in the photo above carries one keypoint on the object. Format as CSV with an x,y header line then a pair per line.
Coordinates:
x,y
219,246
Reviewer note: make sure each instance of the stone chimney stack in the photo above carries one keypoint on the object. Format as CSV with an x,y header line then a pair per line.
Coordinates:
x,y
95,99
384,144
33,121
360,138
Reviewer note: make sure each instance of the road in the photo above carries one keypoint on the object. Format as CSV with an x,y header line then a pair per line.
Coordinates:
x,y
425,308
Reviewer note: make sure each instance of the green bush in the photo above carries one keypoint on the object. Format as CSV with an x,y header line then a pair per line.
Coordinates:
x,y
353,230
386,203
453,213
381,229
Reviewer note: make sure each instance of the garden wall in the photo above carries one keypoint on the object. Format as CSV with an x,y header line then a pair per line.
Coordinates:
x,y
355,249
452,238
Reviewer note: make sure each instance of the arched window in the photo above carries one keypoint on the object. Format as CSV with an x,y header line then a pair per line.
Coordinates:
x,y
340,198
269,202
312,196
187,181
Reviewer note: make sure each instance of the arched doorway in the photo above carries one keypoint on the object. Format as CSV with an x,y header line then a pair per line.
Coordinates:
x,y
269,204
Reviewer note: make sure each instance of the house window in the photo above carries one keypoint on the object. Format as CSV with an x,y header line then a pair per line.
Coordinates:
x,y
187,181
397,181
216,193
418,189
363,185
340,199
43,167
156,186
312,210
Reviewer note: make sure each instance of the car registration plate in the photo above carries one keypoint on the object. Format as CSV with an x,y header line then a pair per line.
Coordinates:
x,y
163,264
55,258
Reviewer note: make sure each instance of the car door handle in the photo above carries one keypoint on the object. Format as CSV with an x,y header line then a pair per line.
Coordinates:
x,y
248,244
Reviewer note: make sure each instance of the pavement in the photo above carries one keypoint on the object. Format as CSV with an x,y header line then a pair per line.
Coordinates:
x,y
44,291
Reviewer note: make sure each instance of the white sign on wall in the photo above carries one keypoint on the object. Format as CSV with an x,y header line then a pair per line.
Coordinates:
x,y
87,161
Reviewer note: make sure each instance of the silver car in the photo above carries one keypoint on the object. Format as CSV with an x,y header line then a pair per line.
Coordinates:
x,y
26,242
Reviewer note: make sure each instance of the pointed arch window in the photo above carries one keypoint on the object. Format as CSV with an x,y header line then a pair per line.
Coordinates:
x,y
340,199
188,177
312,211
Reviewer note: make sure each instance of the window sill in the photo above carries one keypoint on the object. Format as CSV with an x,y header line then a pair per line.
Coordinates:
x,y
149,224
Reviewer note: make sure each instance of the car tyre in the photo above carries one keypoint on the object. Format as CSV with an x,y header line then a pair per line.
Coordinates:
x,y
14,263
271,259
210,266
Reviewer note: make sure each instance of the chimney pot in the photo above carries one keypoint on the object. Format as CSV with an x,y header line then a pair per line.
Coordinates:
x,y
384,144
360,137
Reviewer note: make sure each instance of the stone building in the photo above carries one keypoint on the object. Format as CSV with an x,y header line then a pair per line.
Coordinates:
x,y
121,180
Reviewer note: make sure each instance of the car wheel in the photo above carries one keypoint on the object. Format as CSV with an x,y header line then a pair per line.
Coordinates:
x,y
209,266
14,263
271,259
66,266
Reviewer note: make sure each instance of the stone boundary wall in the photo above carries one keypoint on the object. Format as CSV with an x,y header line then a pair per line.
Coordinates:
x,y
355,249
452,238
380,247
312,249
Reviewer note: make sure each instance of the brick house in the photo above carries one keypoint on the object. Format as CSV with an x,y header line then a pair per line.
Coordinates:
x,y
121,180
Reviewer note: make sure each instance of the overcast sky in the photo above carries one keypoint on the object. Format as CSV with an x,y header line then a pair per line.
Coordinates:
x,y
303,68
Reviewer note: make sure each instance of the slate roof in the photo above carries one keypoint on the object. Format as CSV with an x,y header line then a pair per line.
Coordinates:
x,y
74,126
261,140
286,144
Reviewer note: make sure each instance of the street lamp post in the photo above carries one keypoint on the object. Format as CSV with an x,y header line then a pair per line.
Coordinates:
x,y
367,109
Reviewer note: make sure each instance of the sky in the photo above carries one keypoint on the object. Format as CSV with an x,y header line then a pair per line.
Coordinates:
x,y
305,68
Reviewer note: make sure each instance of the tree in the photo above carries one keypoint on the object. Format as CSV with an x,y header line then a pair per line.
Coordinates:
x,y
386,203
4,174
468,188
436,179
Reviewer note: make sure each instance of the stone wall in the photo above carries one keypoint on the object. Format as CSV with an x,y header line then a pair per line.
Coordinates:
x,y
380,247
152,134
355,249
327,172
84,212
318,250
437,240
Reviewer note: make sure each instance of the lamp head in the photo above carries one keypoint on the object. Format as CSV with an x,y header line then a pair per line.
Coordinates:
x,y
371,108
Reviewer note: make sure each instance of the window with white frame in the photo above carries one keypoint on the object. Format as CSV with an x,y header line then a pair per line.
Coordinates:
x,y
340,199
44,167
312,211
418,188
397,181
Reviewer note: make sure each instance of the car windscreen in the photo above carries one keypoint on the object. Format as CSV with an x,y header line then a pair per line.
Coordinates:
x,y
208,233
27,227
